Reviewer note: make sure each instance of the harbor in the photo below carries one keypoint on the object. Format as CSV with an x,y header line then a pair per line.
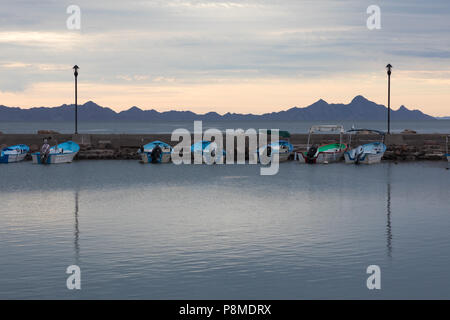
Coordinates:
x,y
225,159
400,147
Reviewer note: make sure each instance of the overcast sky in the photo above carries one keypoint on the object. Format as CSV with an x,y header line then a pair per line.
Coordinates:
x,y
239,56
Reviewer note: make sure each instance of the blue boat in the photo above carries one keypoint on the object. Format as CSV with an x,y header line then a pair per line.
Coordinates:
x,y
14,153
208,151
283,148
368,153
156,152
61,153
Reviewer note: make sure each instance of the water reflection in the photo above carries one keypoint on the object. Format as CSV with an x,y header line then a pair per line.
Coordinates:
x,y
388,208
150,240
76,230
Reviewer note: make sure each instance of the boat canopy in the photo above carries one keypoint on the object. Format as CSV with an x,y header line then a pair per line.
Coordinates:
x,y
327,128
205,146
20,148
65,147
200,146
149,146
382,133
276,146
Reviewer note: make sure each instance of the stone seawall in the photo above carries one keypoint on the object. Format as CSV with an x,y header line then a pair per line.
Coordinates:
x,y
400,147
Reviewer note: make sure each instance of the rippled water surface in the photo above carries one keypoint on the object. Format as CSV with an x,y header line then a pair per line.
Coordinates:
x,y
213,232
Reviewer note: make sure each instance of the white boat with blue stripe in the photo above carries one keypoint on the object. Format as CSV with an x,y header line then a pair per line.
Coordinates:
x,y
156,152
14,153
368,153
209,151
283,148
61,153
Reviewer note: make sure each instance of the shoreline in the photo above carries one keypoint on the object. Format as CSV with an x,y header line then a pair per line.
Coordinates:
x,y
400,146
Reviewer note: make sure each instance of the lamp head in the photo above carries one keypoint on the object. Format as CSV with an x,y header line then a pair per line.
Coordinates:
x,y
389,67
75,72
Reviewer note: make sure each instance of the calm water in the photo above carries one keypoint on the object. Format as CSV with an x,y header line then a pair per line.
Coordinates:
x,y
437,126
213,232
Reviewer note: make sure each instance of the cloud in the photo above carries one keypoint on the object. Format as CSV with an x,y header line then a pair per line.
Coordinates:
x,y
199,42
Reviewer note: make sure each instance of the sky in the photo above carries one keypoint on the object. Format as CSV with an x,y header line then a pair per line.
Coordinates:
x,y
250,56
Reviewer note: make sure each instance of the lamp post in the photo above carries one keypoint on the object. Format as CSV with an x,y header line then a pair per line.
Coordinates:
x,y
389,67
75,72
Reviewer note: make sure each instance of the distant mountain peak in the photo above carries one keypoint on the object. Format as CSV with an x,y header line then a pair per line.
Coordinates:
x,y
90,103
359,99
320,101
134,108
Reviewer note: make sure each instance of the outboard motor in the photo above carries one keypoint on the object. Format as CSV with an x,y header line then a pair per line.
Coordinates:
x,y
310,155
156,154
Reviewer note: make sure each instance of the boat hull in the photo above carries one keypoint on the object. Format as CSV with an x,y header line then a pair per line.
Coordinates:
x,y
366,158
208,152
54,158
322,157
367,154
207,158
283,157
165,152
146,157
10,158
282,148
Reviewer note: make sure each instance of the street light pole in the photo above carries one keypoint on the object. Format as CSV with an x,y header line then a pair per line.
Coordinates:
x,y
75,68
389,67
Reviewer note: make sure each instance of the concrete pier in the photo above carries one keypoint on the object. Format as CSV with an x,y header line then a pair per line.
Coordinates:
x,y
400,147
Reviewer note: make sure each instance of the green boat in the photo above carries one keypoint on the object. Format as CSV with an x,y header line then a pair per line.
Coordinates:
x,y
326,153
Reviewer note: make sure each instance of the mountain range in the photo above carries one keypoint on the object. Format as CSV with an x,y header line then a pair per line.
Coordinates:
x,y
358,109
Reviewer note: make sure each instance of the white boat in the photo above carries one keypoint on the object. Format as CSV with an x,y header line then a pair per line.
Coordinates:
x,y
368,153
14,153
209,152
62,153
282,147
156,152
326,153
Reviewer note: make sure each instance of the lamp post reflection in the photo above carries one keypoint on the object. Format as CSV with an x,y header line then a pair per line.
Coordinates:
x,y
388,209
76,230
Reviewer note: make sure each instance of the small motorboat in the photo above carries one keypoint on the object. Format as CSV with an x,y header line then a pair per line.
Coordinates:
x,y
282,147
326,153
368,153
14,153
156,152
209,152
61,153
